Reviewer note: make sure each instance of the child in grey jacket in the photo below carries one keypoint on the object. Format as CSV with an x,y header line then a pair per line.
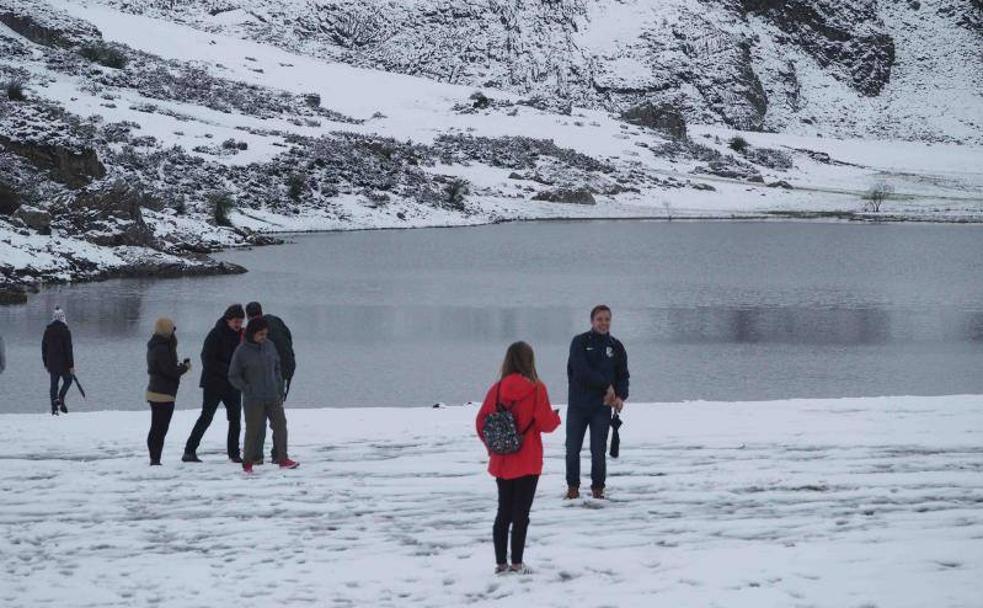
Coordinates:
x,y
255,370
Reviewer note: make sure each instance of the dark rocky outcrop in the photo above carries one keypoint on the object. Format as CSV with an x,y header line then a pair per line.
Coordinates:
x,y
110,216
573,196
661,117
847,36
46,27
73,166
34,218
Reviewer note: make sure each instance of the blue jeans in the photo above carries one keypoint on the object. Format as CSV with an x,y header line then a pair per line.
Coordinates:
x,y
598,420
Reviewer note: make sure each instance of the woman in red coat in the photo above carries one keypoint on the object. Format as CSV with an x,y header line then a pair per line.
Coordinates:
x,y
517,474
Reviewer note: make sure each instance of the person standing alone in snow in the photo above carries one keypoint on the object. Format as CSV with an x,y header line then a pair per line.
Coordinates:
x,y
255,370
283,340
520,392
216,354
165,377
58,359
597,371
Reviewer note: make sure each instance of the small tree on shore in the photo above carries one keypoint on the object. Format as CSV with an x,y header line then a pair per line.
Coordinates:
x,y
878,193
15,90
455,193
737,144
220,204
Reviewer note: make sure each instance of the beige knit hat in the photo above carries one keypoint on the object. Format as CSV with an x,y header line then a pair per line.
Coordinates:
x,y
164,327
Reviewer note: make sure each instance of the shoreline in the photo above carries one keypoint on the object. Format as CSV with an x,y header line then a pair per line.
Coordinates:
x,y
12,294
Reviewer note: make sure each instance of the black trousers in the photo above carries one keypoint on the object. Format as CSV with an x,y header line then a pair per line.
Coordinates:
x,y
232,400
160,421
56,394
515,498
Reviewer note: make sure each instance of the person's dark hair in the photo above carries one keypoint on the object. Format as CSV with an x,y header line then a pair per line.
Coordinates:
x,y
597,309
520,359
255,326
254,309
234,312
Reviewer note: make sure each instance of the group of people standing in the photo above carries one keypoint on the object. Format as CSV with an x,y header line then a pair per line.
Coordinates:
x,y
597,374
247,367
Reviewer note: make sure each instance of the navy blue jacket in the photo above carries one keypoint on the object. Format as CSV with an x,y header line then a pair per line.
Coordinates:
x,y
216,353
596,362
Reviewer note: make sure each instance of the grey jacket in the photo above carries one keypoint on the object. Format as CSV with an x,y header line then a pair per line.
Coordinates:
x,y
255,370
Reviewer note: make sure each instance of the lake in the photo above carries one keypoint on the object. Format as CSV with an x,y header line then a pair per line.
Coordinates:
x,y
718,311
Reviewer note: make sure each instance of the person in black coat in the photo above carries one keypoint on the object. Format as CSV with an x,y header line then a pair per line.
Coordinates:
x,y
597,371
59,359
165,377
283,340
216,353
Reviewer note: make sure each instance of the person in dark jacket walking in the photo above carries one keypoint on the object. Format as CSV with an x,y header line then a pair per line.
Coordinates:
x,y
597,371
255,370
59,359
165,377
216,354
520,391
284,342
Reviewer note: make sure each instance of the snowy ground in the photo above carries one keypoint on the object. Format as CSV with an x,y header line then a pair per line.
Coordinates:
x,y
840,503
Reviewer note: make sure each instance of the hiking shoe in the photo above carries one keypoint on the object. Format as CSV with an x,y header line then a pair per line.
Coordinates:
x,y
54,407
155,463
520,569
286,463
190,457
247,468
598,493
236,459
61,406
501,568
572,493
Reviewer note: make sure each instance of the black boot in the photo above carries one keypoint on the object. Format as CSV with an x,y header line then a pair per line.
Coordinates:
x,y
54,407
190,457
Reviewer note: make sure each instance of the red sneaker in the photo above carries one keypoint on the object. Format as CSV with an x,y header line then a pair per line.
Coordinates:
x,y
247,468
286,463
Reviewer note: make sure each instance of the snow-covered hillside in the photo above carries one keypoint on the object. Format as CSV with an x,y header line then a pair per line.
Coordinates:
x,y
135,138
826,503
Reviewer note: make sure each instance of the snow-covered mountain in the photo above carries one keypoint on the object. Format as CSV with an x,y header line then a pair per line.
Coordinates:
x,y
136,137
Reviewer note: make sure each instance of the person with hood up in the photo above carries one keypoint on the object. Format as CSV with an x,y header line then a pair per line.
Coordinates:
x,y
165,377
255,370
520,395
216,354
59,359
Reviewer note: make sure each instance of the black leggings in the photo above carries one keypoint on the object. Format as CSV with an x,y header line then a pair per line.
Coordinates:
x,y
514,502
160,421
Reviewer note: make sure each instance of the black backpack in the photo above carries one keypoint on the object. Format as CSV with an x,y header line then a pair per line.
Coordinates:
x,y
500,432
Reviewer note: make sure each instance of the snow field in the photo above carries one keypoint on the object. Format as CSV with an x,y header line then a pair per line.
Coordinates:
x,y
850,502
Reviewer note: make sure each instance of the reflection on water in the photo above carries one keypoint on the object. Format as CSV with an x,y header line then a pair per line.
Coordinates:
x,y
707,311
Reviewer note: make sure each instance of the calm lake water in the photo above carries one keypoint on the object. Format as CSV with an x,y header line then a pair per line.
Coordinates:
x,y
721,311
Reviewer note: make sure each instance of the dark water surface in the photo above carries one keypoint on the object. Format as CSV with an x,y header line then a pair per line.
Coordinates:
x,y
722,311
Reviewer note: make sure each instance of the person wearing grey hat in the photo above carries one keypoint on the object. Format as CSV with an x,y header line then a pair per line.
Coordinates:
x,y
59,359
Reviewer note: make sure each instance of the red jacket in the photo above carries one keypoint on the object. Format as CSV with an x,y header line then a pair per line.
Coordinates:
x,y
530,405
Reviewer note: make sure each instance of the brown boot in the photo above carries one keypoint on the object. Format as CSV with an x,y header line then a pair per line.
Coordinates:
x,y
572,492
597,492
